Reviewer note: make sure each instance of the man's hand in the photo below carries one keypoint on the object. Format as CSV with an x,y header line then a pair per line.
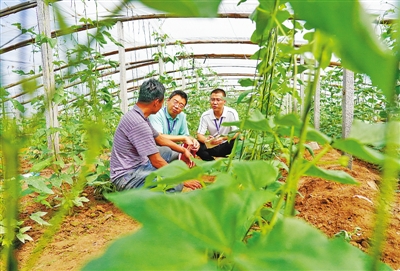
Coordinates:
x,y
193,184
186,158
192,143
196,145
217,140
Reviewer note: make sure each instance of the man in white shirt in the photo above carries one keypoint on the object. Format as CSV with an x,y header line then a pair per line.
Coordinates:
x,y
216,144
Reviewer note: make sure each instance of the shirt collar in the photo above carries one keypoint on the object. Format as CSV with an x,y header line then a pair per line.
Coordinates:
x,y
137,109
223,113
169,116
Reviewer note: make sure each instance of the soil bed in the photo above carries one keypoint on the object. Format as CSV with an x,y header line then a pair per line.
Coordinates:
x,y
330,207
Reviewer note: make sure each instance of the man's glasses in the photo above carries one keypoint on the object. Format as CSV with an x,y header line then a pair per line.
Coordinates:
x,y
216,100
180,105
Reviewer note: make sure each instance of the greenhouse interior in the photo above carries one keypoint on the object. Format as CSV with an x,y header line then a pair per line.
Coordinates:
x,y
288,150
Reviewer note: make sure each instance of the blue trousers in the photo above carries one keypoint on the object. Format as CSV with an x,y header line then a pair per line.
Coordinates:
x,y
135,177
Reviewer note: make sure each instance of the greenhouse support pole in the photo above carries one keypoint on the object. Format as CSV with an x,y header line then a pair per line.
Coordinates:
x,y
183,74
161,60
123,93
317,106
43,16
301,89
348,107
197,81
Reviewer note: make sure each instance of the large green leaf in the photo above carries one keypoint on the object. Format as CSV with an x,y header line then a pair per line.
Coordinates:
x,y
174,173
375,135
255,174
256,121
294,245
289,121
356,42
332,175
42,164
39,183
180,230
356,148
187,8
266,18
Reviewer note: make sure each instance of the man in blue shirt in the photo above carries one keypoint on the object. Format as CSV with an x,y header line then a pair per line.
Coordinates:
x,y
171,122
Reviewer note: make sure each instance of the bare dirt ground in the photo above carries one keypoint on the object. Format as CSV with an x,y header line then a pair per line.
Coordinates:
x,y
329,206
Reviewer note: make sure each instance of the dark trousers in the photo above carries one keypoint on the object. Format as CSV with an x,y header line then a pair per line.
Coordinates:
x,y
221,150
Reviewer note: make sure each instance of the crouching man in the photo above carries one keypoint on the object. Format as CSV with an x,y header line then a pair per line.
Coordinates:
x,y
135,153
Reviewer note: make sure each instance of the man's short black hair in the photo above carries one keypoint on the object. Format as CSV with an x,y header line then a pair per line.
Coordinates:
x,y
179,93
219,90
151,90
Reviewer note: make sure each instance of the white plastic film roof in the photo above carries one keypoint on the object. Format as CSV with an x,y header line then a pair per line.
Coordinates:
x,y
221,44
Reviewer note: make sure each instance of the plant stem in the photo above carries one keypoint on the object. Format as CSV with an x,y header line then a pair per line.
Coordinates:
x,y
387,192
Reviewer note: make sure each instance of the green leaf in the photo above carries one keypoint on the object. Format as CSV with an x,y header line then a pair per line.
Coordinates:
x,y
260,54
181,230
38,218
322,48
256,121
22,236
356,148
187,8
211,166
78,201
255,174
112,39
288,121
243,95
18,105
353,36
42,165
375,135
266,18
294,245
174,173
247,82
264,22
39,183
29,86
332,175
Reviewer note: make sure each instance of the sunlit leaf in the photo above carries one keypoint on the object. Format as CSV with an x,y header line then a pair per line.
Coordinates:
x,y
331,175
18,105
295,245
42,165
375,135
174,173
256,121
179,219
247,82
246,174
291,123
29,86
356,148
190,8
38,218
243,95
354,38
39,183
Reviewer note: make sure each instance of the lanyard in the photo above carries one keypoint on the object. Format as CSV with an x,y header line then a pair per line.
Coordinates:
x,y
170,129
218,125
